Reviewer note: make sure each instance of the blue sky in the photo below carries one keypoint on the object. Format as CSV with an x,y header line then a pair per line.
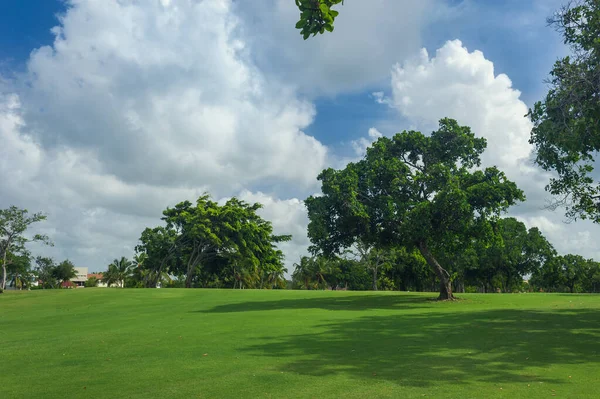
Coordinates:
x,y
140,105
25,25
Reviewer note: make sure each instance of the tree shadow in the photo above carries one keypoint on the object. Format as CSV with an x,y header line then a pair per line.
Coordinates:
x,y
353,302
421,350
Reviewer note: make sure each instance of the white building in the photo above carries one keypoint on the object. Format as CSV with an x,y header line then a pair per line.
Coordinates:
x,y
81,278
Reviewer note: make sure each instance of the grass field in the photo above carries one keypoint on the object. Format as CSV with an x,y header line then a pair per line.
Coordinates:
x,y
117,343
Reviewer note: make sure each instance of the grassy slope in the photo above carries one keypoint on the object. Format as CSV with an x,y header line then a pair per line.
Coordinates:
x,y
152,343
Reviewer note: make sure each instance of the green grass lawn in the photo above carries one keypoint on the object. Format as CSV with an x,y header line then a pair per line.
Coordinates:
x,y
117,343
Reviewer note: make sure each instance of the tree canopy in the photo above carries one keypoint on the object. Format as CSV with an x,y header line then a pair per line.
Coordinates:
x,y
411,190
208,243
566,131
14,222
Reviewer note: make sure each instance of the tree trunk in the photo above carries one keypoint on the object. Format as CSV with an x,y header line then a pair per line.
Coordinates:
x,y
189,277
441,273
4,271
374,279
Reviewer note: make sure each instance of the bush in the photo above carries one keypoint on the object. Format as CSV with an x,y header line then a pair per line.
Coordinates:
x,y
91,282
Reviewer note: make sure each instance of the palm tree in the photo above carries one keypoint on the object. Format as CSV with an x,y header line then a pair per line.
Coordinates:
x,y
309,272
118,271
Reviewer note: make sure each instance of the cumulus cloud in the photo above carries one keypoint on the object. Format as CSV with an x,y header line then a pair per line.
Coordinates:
x,y
137,106
360,146
369,36
461,84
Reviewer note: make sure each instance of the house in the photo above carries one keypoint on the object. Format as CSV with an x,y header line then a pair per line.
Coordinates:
x,y
81,278
98,277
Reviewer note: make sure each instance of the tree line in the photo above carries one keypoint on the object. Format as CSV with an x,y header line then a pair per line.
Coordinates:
x,y
515,260
201,244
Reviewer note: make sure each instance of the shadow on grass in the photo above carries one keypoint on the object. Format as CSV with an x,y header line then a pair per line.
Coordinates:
x,y
422,350
354,302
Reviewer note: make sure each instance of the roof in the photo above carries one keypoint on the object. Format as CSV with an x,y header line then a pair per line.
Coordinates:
x,y
98,276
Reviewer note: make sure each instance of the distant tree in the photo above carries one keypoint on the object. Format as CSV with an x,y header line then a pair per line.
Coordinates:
x,y
411,190
92,282
409,270
14,222
157,255
303,274
316,16
512,253
372,259
19,270
575,270
45,271
566,131
64,272
118,271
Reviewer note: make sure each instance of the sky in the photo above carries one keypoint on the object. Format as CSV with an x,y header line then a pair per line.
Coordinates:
x,y
113,110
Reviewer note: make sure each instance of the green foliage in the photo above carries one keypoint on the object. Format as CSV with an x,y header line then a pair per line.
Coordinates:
x,y
64,271
212,245
568,273
45,271
566,130
92,282
506,255
14,222
118,272
316,16
19,272
412,191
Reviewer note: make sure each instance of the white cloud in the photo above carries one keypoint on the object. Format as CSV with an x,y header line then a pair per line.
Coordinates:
x,y
137,106
165,94
360,146
461,84
368,37
288,217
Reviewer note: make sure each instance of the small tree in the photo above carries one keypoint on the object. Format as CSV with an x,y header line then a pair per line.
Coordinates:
x,y
91,282
45,271
64,272
14,222
118,271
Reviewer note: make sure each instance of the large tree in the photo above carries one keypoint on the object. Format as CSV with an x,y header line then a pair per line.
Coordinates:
x,y
14,222
411,190
211,243
566,130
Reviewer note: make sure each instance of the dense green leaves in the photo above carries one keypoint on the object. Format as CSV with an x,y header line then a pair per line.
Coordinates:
x,y
566,130
316,16
118,271
212,245
64,271
410,190
14,222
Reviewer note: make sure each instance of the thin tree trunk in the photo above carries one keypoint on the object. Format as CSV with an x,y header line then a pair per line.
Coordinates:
x,y
4,270
374,279
442,274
